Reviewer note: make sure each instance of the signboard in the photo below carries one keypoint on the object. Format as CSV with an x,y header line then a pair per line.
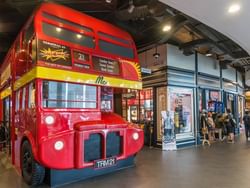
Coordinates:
x,y
54,53
131,95
81,60
105,65
146,70
79,56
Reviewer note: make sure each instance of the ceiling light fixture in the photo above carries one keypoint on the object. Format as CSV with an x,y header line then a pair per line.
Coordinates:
x,y
166,28
234,8
156,54
209,54
108,1
131,6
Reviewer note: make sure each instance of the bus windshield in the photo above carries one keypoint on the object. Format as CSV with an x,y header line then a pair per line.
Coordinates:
x,y
68,95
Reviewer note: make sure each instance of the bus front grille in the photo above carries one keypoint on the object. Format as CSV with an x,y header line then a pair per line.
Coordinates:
x,y
94,147
113,144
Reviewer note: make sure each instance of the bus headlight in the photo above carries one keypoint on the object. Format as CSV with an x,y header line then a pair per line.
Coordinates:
x,y
135,136
58,145
49,120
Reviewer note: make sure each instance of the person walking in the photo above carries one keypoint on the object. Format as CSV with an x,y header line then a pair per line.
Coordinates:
x,y
211,127
219,125
230,129
246,120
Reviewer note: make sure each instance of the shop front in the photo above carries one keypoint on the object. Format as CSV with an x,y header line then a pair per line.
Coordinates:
x,y
210,100
137,107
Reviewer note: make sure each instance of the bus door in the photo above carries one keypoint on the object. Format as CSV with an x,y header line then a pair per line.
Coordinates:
x,y
107,99
6,123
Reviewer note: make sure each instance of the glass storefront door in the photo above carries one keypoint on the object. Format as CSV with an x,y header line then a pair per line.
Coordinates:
x,y
181,108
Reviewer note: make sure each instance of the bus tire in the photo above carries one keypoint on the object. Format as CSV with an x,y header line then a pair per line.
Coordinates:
x,y
32,172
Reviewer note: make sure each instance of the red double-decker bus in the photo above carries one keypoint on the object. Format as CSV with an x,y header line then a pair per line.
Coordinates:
x,y
58,83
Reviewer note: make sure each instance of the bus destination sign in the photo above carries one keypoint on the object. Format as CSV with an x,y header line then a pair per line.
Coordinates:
x,y
79,56
105,65
54,53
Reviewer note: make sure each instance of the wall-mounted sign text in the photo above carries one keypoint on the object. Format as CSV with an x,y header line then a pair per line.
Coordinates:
x,y
105,65
100,80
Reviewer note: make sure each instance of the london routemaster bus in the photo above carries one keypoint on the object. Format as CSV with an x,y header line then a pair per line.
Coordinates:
x,y
57,89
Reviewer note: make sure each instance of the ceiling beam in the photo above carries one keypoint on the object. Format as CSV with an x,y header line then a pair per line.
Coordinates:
x,y
9,27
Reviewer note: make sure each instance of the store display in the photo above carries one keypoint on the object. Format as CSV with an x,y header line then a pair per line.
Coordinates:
x,y
181,108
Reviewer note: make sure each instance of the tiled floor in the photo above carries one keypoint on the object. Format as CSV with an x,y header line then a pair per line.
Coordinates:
x,y
220,166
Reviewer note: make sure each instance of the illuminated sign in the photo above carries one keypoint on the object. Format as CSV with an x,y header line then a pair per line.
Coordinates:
x,y
54,53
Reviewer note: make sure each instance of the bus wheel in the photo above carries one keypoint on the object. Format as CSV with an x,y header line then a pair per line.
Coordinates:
x,y
33,173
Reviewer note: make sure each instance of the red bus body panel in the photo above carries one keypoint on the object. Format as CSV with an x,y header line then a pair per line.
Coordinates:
x,y
71,126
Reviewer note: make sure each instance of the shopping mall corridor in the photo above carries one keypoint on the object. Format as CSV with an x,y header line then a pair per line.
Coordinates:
x,y
220,166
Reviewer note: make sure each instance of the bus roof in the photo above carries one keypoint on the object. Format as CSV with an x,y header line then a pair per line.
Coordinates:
x,y
82,19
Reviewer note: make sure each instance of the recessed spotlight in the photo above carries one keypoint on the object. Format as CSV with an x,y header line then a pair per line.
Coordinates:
x,y
234,8
78,36
58,29
166,28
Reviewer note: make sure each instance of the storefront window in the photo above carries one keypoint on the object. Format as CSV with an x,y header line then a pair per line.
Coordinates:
x,y
230,102
146,103
214,102
180,107
137,106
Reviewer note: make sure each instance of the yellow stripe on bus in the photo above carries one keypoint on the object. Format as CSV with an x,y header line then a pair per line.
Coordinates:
x,y
69,76
5,93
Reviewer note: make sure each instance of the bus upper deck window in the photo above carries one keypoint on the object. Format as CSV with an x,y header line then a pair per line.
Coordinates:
x,y
68,35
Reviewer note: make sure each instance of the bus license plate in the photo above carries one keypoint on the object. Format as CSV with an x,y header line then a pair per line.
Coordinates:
x,y
104,163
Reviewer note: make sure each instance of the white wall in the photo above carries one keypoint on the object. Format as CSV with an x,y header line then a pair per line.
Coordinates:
x,y
240,80
175,58
229,73
208,65
147,59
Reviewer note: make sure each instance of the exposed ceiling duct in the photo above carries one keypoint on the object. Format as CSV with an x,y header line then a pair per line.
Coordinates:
x,y
144,20
141,11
